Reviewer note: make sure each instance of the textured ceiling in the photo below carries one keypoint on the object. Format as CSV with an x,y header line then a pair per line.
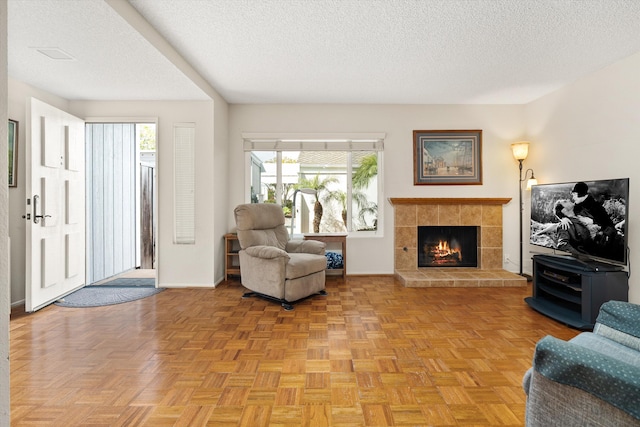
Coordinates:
x,y
112,60
324,51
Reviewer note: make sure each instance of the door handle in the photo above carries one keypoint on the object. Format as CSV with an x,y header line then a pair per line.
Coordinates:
x,y
36,217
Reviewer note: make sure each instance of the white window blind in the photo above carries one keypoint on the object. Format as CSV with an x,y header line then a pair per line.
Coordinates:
x,y
184,183
313,142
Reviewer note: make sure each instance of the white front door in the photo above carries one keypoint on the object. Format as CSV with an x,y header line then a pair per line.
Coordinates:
x,y
55,257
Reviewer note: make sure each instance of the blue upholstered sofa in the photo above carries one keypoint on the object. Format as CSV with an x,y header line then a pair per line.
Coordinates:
x,y
592,379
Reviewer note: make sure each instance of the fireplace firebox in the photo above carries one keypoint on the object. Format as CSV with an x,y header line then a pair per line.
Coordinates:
x,y
448,246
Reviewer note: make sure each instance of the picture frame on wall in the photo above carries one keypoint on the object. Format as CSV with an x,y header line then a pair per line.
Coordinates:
x,y
447,157
13,153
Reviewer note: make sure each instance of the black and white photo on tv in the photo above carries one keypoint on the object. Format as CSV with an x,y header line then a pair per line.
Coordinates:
x,y
585,219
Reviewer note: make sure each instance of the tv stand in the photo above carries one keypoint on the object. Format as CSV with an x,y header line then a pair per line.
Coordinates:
x,y
571,290
587,264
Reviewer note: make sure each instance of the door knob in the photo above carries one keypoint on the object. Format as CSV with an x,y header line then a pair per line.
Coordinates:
x,y
36,217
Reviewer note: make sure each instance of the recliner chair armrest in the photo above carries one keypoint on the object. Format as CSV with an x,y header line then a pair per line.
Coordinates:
x,y
266,252
607,378
306,246
619,321
623,317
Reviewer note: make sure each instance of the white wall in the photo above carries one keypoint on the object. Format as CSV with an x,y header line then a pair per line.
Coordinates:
x,y
501,126
5,408
19,93
591,130
178,265
221,188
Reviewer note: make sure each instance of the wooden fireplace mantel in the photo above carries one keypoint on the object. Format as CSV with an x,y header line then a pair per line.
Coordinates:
x,y
449,201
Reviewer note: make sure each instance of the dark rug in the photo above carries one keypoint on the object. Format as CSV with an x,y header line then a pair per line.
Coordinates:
x,y
117,291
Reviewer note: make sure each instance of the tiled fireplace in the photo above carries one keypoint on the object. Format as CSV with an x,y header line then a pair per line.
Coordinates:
x,y
485,213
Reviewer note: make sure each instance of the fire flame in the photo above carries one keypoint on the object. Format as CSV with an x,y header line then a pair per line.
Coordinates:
x,y
443,249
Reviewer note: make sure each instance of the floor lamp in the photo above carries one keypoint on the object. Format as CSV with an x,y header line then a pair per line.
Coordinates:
x,y
520,151
293,204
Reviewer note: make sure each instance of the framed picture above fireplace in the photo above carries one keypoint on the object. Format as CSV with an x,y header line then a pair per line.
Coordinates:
x,y
447,157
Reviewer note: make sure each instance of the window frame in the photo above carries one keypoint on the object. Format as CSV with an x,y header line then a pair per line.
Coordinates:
x,y
348,142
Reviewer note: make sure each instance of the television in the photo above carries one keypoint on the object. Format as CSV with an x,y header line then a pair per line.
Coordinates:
x,y
584,219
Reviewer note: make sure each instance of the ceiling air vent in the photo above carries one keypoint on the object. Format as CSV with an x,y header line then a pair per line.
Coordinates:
x,y
55,53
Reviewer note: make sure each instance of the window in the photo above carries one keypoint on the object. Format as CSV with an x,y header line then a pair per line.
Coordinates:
x,y
324,184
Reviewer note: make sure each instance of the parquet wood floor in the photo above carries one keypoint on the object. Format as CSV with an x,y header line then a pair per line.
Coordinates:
x,y
370,353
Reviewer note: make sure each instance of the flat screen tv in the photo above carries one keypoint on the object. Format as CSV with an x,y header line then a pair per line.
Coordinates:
x,y
586,219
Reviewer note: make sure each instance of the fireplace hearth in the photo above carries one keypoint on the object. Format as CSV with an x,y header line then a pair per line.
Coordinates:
x,y
483,214
448,246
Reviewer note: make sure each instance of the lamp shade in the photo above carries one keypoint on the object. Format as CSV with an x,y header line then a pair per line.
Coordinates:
x,y
520,150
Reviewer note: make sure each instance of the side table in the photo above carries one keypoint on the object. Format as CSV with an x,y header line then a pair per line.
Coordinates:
x,y
333,238
231,257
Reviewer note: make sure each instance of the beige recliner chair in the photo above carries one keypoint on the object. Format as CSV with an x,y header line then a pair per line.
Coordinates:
x,y
272,265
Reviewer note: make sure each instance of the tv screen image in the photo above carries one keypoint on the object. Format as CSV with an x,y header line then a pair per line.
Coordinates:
x,y
587,219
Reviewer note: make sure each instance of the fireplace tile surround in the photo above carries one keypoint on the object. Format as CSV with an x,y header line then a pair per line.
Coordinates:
x,y
409,213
